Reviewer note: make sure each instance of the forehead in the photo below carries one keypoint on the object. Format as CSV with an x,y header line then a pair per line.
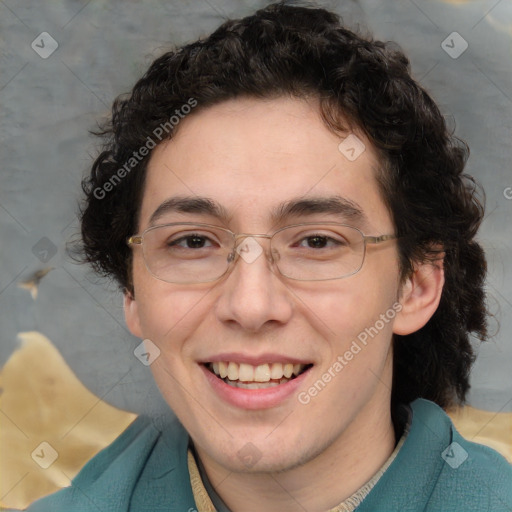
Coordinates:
x,y
253,158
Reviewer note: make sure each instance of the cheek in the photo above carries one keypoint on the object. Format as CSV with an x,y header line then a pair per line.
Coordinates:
x,y
164,308
342,310
169,313
357,322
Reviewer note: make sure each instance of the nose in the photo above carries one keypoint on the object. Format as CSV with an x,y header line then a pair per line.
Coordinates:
x,y
253,295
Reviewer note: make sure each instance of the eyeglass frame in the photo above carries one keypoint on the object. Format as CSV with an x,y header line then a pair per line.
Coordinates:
x,y
233,255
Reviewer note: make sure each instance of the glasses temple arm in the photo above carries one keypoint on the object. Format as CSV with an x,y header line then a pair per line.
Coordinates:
x,y
378,239
134,240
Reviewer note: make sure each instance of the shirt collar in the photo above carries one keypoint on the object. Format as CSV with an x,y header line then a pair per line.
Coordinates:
x,y
205,498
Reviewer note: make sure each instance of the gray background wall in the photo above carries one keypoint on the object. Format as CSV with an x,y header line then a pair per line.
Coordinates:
x,y
49,104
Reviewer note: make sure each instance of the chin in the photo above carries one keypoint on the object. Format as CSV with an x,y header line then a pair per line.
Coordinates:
x,y
264,456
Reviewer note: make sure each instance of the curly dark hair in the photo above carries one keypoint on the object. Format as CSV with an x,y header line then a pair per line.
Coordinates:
x,y
360,82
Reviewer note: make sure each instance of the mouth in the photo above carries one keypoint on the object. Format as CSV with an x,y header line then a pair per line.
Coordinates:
x,y
263,376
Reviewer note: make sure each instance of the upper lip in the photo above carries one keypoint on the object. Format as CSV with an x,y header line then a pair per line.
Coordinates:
x,y
254,360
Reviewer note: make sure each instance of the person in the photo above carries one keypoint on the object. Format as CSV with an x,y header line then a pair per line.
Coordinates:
x,y
288,217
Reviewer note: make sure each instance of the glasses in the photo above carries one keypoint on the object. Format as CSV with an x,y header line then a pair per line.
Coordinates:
x,y
189,253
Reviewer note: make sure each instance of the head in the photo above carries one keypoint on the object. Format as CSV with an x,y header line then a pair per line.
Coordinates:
x,y
247,124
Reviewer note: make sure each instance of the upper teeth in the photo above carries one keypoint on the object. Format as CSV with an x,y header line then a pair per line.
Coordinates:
x,y
249,373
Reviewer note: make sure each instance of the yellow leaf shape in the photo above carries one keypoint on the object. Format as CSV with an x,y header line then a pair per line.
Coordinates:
x,y
493,429
50,424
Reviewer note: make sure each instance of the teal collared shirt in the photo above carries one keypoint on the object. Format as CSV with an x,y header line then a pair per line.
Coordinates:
x,y
145,470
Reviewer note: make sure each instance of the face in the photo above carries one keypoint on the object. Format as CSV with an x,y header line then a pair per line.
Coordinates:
x,y
251,156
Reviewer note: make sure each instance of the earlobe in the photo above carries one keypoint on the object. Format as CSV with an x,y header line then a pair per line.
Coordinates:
x,y
131,314
420,297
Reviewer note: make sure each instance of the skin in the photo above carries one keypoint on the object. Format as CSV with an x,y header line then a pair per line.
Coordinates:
x,y
250,155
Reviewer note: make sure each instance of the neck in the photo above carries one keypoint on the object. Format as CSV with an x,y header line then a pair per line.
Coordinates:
x,y
322,482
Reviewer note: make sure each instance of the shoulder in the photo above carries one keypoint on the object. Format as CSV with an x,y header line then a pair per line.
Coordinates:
x,y
438,470
471,474
108,480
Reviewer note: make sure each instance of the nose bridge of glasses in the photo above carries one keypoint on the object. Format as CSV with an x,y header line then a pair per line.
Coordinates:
x,y
272,254
241,236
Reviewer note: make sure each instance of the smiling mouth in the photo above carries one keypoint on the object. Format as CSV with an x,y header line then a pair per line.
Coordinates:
x,y
246,376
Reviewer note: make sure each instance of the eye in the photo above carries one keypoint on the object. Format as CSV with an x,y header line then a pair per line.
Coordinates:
x,y
318,241
193,241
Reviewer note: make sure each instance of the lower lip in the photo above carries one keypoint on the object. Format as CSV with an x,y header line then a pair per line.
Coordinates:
x,y
254,398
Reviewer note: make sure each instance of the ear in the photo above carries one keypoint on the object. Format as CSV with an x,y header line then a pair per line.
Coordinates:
x,y
131,314
420,297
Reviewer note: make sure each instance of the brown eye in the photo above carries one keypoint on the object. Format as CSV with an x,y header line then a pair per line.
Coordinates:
x,y
190,242
319,242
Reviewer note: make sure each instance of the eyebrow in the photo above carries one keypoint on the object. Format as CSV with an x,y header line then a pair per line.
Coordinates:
x,y
198,205
331,205
299,207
